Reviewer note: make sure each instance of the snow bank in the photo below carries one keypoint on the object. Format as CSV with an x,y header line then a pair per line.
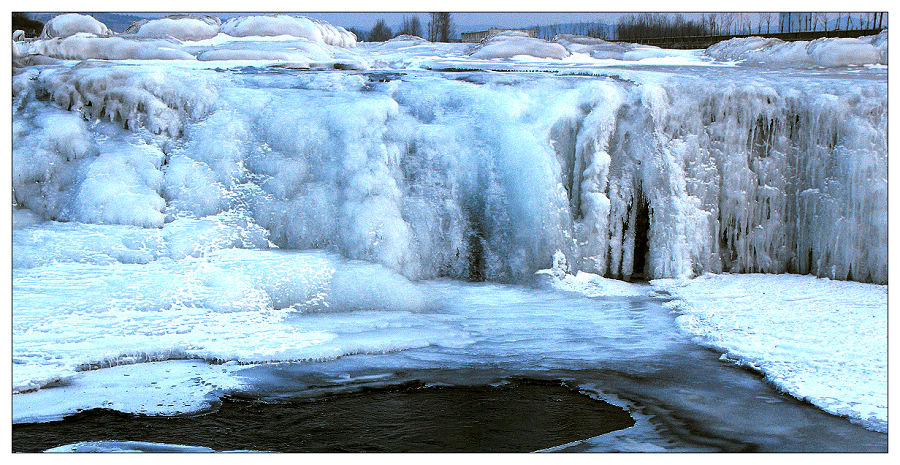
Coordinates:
x,y
69,24
182,27
297,26
508,44
819,340
827,52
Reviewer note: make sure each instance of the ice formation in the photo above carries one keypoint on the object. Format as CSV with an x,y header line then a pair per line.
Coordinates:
x,y
826,52
476,180
69,24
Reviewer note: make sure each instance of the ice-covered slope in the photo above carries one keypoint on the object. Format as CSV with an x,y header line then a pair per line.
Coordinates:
x,y
482,177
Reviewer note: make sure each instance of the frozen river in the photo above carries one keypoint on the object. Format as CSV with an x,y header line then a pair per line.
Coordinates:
x,y
625,350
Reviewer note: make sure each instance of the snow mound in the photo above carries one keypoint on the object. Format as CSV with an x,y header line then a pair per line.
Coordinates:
x,y
819,340
588,284
826,52
297,26
73,23
508,44
181,26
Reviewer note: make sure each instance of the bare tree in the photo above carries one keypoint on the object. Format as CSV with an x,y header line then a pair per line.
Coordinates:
x,y
768,18
411,26
380,32
440,28
727,21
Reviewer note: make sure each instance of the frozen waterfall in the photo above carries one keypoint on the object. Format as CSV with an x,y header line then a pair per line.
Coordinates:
x,y
470,175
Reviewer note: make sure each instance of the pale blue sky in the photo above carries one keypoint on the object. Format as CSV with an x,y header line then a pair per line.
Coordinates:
x,y
462,21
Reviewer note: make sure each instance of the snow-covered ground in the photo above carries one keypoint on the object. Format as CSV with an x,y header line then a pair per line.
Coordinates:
x,y
268,190
819,340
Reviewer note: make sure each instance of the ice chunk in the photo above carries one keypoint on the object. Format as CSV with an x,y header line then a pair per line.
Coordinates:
x,y
126,446
181,26
69,24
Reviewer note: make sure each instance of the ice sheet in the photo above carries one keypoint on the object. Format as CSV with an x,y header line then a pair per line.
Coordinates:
x,y
820,340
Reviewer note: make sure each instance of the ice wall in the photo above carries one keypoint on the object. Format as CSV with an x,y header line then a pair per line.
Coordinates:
x,y
472,175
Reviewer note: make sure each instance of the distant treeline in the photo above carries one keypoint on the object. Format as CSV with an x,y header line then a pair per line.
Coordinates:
x,y
439,29
662,25
656,25
31,27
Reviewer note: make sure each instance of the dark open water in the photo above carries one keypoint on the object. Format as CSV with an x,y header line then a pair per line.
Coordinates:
x,y
521,417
